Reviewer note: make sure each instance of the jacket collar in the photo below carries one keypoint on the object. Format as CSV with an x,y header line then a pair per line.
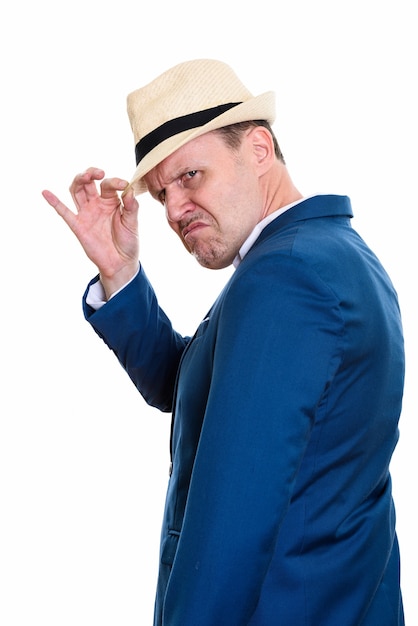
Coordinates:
x,y
308,208
311,208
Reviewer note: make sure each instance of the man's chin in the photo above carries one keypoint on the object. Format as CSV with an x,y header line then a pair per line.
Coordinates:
x,y
211,262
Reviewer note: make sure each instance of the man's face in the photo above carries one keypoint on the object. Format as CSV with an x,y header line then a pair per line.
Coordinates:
x,y
211,196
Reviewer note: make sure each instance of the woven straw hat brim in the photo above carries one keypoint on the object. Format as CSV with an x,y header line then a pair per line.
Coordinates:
x,y
257,108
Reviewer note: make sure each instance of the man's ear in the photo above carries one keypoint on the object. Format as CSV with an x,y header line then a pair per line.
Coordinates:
x,y
262,148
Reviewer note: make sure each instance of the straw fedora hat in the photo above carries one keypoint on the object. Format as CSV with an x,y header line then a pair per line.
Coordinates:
x,y
185,102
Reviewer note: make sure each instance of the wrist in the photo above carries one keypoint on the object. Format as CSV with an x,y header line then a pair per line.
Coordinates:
x,y
114,283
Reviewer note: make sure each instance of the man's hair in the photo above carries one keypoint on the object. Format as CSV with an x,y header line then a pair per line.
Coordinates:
x,y
232,135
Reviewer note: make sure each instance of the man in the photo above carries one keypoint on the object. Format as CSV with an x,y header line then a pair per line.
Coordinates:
x,y
285,402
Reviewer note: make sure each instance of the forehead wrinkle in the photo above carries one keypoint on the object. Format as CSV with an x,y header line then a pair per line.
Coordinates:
x,y
163,175
155,180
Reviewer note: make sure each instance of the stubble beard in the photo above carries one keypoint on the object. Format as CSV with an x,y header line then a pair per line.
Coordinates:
x,y
212,254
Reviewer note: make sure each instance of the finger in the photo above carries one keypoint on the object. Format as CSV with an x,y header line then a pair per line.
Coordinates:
x,y
63,211
83,188
110,187
128,201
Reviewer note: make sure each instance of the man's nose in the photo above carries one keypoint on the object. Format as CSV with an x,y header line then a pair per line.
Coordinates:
x,y
177,203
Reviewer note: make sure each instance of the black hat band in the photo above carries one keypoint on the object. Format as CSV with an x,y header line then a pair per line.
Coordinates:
x,y
176,126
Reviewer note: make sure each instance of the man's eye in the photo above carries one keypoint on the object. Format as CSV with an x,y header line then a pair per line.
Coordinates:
x,y
161,197
189,175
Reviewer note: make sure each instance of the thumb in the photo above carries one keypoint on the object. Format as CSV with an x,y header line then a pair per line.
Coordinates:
x,y
129,204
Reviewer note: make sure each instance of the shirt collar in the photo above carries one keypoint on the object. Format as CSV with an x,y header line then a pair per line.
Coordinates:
x,y
257,230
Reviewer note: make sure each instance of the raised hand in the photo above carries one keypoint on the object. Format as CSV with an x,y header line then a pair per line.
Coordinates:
x,y
105,223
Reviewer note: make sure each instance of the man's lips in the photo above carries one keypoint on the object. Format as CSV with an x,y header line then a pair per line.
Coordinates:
x,y
191,228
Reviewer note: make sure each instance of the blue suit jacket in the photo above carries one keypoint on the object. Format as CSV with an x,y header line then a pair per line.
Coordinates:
x,y
285,410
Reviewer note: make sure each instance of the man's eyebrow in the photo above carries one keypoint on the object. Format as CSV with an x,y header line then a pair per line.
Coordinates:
x,y
178,173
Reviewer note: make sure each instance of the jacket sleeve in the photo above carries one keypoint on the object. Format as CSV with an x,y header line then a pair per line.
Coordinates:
x,y
276,350
139,333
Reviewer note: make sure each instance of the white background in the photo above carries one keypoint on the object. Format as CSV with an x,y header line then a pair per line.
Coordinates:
x,y
83,460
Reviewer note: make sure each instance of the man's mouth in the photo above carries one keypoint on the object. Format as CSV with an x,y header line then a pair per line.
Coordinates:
x,y
192,227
